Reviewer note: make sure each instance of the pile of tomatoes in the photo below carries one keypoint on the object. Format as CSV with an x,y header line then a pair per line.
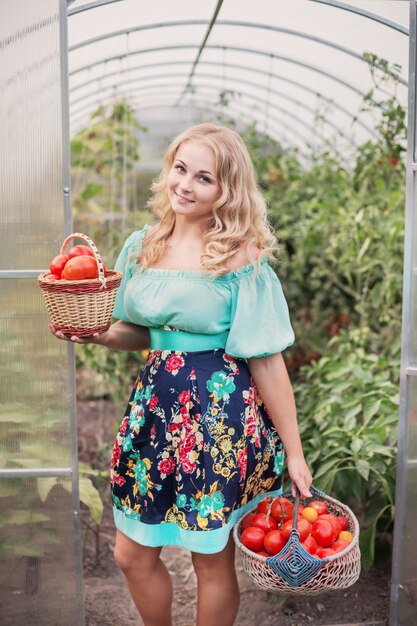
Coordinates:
x,y
322,534
78,264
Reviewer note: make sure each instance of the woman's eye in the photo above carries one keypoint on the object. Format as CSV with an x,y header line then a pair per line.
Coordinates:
x,y
205,179
180,168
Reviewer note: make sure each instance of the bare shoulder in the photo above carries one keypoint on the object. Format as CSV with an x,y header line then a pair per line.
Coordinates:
x,y
244,256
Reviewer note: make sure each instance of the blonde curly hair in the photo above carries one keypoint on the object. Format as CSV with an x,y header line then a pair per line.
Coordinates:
x,y
239,215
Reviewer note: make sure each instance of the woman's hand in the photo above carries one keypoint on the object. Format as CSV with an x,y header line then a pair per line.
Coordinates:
x,y
300,475
74,338
120,336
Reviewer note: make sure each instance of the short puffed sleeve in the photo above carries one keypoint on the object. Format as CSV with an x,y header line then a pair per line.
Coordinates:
x,y
260,322
125,264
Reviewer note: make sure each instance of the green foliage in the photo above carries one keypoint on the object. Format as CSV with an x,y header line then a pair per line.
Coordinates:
x,y
348,413
341,229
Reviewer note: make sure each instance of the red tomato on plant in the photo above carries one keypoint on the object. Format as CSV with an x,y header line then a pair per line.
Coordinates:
x,y
323,532
320,506
253,538
344,524
264,505
274,541
248,521
266,522
80,268
80,251
58,264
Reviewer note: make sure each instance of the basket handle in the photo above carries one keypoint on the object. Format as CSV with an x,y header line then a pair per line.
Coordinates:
x,y
96,253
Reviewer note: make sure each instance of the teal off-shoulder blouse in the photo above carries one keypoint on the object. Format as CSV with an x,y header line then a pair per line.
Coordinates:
x,y
243,311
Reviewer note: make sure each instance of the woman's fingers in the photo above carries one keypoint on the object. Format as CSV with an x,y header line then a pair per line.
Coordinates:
x,y
73,338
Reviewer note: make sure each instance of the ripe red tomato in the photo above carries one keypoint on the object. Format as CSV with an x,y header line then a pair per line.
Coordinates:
x,y
80,251
310,544
279,508
264,505
248,521
80,268
303,527
323,552
323,532
58,264
265,522
320,506
274,541
263,553
334,522
344,524
52,277
253,538
340,545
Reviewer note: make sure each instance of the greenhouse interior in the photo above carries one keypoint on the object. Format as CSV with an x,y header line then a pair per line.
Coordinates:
x,y
323,94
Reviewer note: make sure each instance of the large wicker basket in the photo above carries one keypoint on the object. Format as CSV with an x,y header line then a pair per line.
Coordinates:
x,y
81,307
338,571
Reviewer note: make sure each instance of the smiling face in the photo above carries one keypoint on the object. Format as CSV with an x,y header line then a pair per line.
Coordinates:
x,y
193,185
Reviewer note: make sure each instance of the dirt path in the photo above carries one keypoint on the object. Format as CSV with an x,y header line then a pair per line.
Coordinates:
x,y
108,602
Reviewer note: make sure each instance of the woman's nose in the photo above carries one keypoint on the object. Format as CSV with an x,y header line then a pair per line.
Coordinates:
x,y
186,184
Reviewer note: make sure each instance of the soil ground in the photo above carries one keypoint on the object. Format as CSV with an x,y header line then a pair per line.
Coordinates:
x,y
108,602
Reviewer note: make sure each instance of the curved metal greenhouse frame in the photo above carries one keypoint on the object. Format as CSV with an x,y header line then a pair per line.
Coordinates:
x,y
219,59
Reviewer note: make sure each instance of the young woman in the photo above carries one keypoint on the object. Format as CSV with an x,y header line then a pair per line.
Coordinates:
x,y
211,413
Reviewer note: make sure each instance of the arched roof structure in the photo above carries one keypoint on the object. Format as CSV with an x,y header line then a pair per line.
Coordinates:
x,y
283,62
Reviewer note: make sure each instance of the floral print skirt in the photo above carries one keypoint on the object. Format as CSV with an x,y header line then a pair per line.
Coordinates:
x,y
195,450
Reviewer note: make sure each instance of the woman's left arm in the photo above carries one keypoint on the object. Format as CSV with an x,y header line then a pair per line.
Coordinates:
x,y
272,381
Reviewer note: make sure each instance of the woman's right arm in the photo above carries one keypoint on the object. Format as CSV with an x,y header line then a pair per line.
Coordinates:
x,y
120,336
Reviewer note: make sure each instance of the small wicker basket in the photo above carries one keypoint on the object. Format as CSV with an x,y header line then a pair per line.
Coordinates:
x,y
338,571
81,307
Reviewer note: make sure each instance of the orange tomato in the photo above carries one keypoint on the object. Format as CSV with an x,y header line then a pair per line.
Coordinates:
x,y
310,514
346,536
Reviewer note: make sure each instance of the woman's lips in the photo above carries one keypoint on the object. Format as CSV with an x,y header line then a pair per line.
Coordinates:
x,y
182,199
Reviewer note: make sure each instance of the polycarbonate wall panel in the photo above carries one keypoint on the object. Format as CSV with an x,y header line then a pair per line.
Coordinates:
x,y
34,401
40,565
37,587
30,109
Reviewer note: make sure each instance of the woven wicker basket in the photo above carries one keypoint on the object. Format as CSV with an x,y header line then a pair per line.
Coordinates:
x,y
339,571
81,307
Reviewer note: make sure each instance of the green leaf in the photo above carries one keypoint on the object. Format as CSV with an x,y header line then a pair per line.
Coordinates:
x,y
367,547
363,468
45,485
90,496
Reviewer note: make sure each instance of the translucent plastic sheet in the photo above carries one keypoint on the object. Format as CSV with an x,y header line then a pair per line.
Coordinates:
x,y
40,566
283,61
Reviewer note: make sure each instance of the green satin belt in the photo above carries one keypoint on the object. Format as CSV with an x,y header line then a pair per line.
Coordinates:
x,y
180,340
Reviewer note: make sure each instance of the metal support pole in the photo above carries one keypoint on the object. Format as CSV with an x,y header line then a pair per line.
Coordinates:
x,y
403,584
